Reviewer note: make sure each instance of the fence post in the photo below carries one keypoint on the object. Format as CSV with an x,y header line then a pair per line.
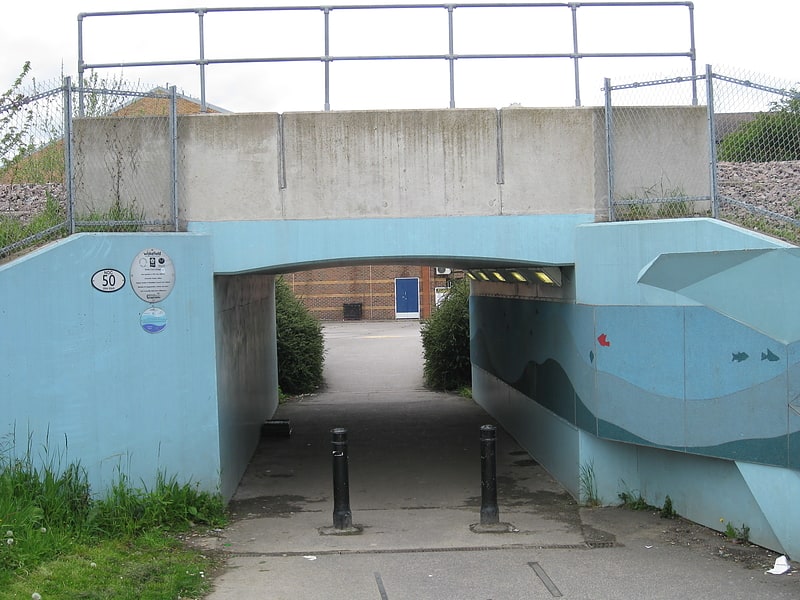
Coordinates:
x,y
451,57
173,131
712,143
68,156
576,57
326,11
609,149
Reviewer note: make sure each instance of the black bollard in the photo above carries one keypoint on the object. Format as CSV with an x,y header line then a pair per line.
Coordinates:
x,y
490,515
342,517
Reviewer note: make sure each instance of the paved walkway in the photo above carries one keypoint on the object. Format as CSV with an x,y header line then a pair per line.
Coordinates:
x,y
415,490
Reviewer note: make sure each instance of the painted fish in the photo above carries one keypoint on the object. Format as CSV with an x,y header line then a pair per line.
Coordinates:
x,y
603,340
739,356
769,355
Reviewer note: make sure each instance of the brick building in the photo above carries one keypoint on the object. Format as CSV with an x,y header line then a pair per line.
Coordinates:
x,y
370,292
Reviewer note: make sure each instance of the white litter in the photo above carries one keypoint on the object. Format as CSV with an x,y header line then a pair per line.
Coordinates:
x,y
310,557
781,566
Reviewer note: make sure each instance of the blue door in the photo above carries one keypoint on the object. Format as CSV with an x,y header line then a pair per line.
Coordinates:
x,y
406,298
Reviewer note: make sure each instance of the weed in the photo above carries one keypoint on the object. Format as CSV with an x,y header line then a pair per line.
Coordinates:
x,y
667,511
465,392
588,485
737,534
633,212
118,218
634,500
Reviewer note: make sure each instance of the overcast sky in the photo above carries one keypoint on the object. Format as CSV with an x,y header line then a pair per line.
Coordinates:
x,y
738,37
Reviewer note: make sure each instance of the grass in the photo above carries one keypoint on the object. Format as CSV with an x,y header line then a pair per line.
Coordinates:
x,y
117,218
588,485
61,542
13,230
151,566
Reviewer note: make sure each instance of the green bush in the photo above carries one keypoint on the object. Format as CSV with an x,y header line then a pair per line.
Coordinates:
x,y
301,347
771,136
445,341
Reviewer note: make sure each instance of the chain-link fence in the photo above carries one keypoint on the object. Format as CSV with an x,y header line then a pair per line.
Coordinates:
x,y
43,179
117,187
737,158
757,136
33,195
654,174
746,170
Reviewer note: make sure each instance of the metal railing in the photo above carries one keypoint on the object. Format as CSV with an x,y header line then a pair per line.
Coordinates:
x,y
202,61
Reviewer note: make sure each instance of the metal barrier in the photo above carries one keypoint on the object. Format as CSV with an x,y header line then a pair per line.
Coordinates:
x,y
451,56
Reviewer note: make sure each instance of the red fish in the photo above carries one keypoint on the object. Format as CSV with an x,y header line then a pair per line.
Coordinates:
x,y
603,340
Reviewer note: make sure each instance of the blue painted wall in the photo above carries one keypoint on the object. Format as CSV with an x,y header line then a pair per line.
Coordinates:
x,y
83,381
247,368
283,246
662,398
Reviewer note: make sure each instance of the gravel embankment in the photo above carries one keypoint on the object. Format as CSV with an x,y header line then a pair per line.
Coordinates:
x,y
24,200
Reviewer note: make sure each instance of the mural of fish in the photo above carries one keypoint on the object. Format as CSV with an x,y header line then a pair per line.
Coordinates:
x,y
739,356
769,355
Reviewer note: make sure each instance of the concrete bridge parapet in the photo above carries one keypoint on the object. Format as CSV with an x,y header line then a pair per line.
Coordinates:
x,y
399,164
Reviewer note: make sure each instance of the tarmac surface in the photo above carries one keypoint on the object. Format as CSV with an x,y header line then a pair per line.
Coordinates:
x,y
414,486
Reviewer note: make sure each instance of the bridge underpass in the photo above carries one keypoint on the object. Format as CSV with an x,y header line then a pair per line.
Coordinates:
x,y
414,462
644,363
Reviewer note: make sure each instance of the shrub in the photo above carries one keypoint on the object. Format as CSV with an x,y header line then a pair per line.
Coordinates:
x,y
445,341
301,347
771,136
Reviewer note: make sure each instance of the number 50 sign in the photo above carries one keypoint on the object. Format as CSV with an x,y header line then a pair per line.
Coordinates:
x,y
108,280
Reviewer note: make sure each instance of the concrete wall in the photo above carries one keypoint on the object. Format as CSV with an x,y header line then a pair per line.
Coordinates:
x,y
87,383
247,368
664,396
393,164
124,162
660,152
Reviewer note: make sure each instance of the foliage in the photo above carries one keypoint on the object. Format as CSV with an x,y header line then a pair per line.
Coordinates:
x,y
152,566
128,511
634,500
667,511
737,534
117,218
588,485
771,136
13,230
50,519
301,347
445,341
15,121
